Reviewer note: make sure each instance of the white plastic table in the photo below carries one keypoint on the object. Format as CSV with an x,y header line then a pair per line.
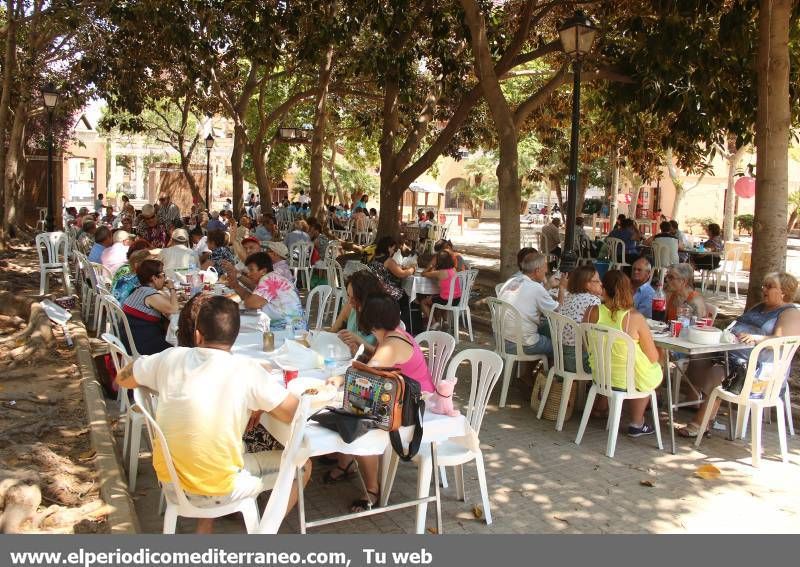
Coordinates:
x,y
680,345
319,441
419,285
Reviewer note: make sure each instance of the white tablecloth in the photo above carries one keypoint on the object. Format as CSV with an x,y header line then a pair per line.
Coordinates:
x,y
419,285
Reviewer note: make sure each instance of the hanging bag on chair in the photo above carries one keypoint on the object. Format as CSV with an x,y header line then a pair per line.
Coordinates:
x,y
393,399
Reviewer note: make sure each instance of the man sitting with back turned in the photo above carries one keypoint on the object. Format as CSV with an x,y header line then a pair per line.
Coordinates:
x,y
206,397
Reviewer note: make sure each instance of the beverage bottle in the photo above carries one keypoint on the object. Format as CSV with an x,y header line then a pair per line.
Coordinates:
x,y
193,277
685,317
659,305
330,360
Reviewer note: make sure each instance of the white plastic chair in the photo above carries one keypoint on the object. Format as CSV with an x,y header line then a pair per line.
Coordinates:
x,y
320,296
440,347
768,384
558,323
729,269
41,224
291,467
177,503
616,253
118,322
498,287
507,328
665,254
300,261
134,422
465,279
601,340
335,276
486,367
52,249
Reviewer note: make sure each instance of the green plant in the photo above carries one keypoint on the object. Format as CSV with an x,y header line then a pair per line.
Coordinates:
x,y
744,222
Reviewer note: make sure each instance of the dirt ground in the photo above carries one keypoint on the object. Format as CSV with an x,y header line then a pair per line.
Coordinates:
x,y
44,439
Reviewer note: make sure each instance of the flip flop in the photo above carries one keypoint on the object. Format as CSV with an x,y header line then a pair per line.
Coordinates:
x,y
364,504
347,472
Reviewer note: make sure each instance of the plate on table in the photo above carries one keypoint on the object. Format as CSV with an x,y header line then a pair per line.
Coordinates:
x,y
320,392
657,326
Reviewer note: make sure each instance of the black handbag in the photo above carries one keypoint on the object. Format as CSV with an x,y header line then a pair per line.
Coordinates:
x,y
413,408
734,381
349,426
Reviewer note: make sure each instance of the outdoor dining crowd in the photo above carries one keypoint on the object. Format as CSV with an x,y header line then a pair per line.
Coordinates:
x,y
209,400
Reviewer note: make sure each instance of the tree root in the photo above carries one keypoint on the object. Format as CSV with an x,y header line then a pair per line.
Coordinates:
x,y
35,339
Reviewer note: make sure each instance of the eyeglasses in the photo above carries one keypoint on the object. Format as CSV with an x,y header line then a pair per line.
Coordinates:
x,y
161,275
162,198
768,286
670,277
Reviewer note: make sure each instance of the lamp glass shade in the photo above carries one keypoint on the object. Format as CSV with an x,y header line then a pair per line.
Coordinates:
x,y
50,96
745,187
577,35
286,132
209,142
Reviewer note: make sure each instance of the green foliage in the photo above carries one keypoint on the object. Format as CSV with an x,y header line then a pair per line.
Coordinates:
x,y
745,222
592,206
480,186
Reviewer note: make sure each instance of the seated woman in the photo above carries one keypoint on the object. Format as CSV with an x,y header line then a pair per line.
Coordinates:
x,y
679,287
713,244
775,316
395,349
273,294
360,286
585,290
122,286
616,311
441,269
440,245
146,307
390,273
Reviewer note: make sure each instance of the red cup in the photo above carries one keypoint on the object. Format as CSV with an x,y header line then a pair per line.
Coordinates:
x,y
289,374
704,322
675,328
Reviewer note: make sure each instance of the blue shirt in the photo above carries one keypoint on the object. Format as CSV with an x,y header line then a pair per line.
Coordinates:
x,y
96,253
626,235
643,299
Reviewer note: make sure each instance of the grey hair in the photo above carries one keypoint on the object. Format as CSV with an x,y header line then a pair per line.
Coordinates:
x,y
532,262
646,262
685,272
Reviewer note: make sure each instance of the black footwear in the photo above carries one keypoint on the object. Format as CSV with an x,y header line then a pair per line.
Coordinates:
x,y
364,504
346,473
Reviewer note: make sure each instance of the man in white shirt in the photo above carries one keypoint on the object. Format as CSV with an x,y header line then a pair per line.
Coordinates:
x,y
528,295
207,397
117,254
303,198
552,237
177,255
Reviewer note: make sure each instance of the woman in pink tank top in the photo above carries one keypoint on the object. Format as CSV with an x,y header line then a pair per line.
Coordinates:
x,y
380,315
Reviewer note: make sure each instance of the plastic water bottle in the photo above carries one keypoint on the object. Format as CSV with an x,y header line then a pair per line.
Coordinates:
x,y
330,360
193,277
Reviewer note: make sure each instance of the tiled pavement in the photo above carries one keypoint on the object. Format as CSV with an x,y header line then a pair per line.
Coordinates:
x,y
541,482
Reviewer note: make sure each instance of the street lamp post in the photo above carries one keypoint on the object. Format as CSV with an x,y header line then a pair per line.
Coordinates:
x,y
209,147
577,36
50,97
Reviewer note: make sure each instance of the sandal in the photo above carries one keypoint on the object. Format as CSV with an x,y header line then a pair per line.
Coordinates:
x,y
364,504
346,473
690,431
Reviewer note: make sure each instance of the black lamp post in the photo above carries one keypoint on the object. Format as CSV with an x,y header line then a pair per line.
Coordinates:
x,y
50,96
209,147
577,36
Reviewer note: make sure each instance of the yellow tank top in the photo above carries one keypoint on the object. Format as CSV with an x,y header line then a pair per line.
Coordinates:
x,y
647,374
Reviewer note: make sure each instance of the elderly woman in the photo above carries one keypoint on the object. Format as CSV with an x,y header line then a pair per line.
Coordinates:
x,y
146,307
360,286
395,349
679,287
616,311
273,294
713,244
585,290
775,316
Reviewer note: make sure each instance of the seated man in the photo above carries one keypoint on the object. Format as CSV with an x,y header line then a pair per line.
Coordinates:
x,y
103,239
206,399
529,296
630,237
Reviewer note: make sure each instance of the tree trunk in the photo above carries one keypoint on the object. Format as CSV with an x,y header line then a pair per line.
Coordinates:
x,y
730,194
509,189
613,199
237,154
772,144
260,157
332,172
389,219
792,221
9,63
583,184
317,185
191,179
13,159
555,185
